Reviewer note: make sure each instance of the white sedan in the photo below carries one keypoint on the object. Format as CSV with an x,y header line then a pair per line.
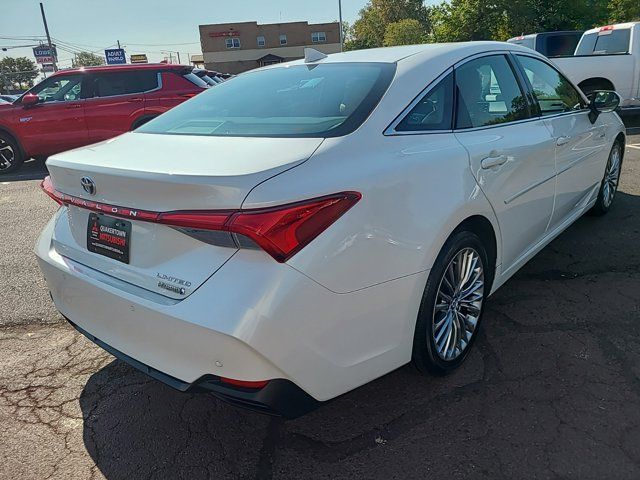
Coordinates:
x,y
305,228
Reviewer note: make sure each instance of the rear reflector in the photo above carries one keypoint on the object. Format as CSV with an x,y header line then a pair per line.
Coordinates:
x,y
243,383
281,231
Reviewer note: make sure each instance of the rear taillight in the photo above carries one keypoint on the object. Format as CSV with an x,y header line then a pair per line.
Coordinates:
x,y
281,231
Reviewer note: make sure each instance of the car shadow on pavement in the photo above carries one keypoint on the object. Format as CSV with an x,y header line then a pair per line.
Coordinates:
x,y
31,170
535,399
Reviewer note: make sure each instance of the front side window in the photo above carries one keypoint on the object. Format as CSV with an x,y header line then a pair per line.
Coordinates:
x,y
488,93
232,42
434,111
553,91
605,42
124,83
319,101
65,88
261,41
318,37
283,39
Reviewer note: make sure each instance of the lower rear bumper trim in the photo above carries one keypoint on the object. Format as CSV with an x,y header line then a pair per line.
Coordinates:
x,y
279,397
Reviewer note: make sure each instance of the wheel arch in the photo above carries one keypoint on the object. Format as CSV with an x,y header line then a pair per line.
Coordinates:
x,y
483,228
141,120
15,138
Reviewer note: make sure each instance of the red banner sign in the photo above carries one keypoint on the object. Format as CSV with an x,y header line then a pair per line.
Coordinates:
x,y
224,34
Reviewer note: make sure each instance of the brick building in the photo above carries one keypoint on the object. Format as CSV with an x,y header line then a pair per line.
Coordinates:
x,y
238,47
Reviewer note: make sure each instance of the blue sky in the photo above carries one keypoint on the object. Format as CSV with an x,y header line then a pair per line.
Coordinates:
x,y
158,24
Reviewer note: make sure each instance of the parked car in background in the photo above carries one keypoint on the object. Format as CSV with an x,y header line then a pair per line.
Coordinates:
x,y
608,58
357,211
9,98
550,44
77,107
208,76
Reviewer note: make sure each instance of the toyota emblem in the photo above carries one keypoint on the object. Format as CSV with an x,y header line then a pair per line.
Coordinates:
x,y
88,185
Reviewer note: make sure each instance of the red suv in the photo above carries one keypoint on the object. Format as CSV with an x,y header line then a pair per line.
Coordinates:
x,y
77,107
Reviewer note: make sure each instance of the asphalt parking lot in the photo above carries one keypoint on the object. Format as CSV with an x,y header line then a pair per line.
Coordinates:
x,y
552,389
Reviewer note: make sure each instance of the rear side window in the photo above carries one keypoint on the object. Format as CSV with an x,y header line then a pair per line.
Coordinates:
x,y
434,111
124,83
553,91
488,93
605,42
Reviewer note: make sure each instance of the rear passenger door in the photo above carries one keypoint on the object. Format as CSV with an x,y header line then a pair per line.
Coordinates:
x,y
117,101
511,151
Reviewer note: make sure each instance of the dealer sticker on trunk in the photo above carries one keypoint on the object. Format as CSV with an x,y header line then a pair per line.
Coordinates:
x,y
109,236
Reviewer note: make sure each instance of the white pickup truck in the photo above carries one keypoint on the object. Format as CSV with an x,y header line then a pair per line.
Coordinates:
x,y
608,58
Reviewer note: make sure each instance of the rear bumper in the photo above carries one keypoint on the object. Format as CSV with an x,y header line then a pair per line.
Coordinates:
x,y
253,320
279,397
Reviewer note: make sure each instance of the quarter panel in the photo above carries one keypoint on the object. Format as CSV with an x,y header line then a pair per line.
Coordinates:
x,y
415,190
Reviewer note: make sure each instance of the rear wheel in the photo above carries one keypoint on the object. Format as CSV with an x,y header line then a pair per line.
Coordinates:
x,y
10,155
609,184
452,305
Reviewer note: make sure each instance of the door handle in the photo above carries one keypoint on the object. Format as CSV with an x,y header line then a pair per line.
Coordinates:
x,y
491,162
562,140
137,99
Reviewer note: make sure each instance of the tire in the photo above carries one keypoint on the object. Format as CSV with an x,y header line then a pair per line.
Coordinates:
x,y
11,158
433,324
610,181
141,121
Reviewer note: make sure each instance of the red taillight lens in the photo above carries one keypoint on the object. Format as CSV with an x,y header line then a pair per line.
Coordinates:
x,y
283,231
47,187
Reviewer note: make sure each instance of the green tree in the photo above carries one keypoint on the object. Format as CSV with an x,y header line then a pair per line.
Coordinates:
x,y
87,59
624,11
17,73
369,29
405,32
464,20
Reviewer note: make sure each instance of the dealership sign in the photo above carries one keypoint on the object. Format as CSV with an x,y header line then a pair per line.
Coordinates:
x,y
44,54
141,58
224,34
115,56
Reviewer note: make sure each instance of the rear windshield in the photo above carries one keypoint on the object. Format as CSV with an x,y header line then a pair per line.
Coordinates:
x,y
605,42
323,100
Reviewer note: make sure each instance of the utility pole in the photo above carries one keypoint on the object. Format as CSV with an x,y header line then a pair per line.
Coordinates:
x,y
46,29
341,32
118,43
178,57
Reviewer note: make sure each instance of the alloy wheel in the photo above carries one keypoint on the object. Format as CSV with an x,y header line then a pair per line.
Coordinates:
x,y
7,155
458,304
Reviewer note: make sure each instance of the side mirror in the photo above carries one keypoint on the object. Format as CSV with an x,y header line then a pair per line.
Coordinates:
x,y
29,100
602,101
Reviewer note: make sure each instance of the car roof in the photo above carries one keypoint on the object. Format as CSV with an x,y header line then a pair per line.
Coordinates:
x,y
422,51
123,68
617,26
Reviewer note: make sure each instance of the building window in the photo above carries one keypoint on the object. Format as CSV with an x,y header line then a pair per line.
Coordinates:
x,y
283,39
232,42
318,37
261,41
